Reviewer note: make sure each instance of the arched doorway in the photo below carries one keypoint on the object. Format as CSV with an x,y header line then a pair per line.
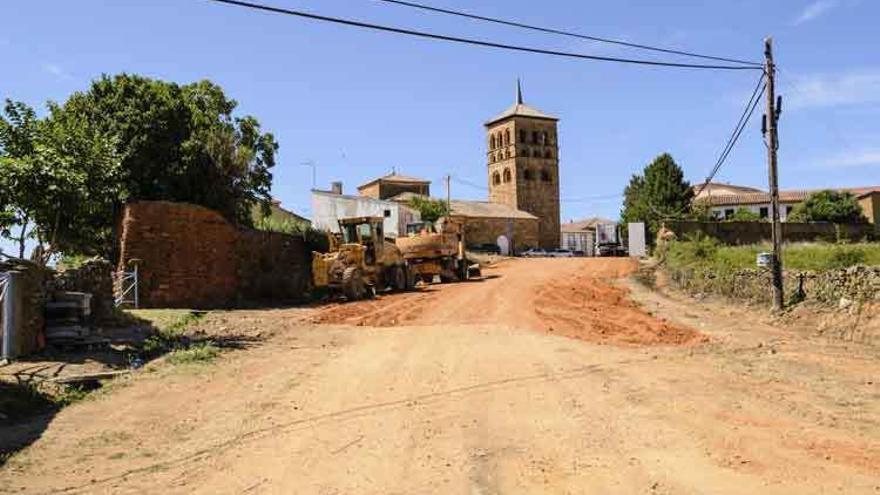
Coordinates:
x,y
503,245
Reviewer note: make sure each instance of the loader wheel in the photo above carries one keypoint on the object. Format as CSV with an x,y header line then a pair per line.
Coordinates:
x,y
410,279
399,278
353,284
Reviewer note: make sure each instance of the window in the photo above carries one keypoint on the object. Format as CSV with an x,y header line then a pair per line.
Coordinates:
x,y
506,137
534,137
764,212
522,136
387,213
728,212
491,157
507,176
788,210
496,178
506,154
492,142
544,138
527,174
545,176
548,154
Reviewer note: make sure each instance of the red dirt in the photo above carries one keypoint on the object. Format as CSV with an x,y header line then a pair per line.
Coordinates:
x,y
570,297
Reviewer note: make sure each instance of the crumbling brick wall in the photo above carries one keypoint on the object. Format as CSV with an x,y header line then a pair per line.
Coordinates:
x,y
190,256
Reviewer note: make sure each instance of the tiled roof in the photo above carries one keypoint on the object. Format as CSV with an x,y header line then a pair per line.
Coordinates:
x,y
584,224
520,110
790,196
397,179
484,209
717,188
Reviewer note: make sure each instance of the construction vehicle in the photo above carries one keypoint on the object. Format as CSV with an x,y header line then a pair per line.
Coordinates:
x,y
361,261
437,250
608,242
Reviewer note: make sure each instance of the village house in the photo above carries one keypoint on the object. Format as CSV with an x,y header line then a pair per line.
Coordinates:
x,y
725,199
522,210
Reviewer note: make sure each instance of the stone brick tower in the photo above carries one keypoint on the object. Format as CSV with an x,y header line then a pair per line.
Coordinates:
x,y
523,159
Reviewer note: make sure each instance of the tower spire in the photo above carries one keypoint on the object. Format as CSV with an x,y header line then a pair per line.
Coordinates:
x,y
519,98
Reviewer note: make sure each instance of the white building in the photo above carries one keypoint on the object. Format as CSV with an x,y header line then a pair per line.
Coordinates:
x,y
329,206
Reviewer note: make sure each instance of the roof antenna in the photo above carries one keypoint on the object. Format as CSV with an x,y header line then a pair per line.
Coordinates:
x,y
519,99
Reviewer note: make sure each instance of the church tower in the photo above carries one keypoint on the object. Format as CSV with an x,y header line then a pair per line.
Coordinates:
x,y
523,162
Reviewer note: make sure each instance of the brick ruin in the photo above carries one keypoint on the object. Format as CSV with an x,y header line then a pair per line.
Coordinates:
x,y
189,256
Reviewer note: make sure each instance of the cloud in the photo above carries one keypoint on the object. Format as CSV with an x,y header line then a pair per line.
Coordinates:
x,y
859,158
56,71
814,10
831,90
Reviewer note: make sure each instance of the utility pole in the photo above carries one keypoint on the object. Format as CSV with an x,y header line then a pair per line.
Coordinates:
x,y
311,163
770,120
448,205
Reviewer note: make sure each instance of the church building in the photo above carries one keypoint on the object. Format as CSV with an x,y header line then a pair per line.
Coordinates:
x,y
523,165
522,210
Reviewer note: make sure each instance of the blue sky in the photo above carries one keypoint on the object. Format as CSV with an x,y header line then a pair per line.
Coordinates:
x,y
358,103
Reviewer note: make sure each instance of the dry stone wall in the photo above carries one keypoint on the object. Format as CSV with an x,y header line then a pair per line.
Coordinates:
x,y
190,256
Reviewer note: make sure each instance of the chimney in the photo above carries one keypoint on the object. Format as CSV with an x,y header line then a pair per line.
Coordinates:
x,y
336,187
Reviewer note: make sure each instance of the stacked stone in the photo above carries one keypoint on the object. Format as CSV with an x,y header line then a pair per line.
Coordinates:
x,y
856,284
95,277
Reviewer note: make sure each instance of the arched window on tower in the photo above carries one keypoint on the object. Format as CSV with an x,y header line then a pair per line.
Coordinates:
x,y
491,157
506,137
507,176
506,154
492,142
522,136
534,137
544,140
545,176
548,154
527,174
496,179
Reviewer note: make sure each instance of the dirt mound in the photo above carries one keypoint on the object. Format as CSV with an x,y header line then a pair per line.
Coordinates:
x,y
574,298
591,309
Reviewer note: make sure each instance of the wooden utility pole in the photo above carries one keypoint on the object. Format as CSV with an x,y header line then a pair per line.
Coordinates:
x,y
448,206
771,119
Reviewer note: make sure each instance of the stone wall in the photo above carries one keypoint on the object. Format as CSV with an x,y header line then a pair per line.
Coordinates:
x,y
95,276
857,284
190,256
486,231
742,233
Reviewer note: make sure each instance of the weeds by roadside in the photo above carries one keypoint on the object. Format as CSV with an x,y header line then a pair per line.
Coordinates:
x,y
196,353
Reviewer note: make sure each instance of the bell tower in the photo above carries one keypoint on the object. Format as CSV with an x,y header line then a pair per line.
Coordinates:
x,y
523,165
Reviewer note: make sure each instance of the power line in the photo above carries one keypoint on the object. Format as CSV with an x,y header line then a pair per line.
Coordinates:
x,y
567,33
737,131
490,44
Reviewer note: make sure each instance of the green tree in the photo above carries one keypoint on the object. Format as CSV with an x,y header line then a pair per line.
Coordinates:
x,y
59,182
180,143
429,209
744,215
658,194
829,206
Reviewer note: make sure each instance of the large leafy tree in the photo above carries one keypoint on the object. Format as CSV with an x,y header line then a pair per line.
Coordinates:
x,y
430,210
659,193
829,206
65,177
181,143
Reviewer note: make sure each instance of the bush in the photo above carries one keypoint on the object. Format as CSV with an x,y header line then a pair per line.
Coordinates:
x,y
198,353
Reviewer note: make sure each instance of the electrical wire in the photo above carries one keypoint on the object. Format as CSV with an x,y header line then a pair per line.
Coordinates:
x,y
490,44
737,131
566,33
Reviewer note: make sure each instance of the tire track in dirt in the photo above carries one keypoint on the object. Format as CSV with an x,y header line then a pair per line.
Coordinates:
x,y
574,298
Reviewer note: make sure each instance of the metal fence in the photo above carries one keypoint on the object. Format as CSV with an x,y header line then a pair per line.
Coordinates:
x,y
128,288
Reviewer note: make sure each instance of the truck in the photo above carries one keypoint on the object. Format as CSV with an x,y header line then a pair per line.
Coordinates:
x,y
608,242
436,250
361,261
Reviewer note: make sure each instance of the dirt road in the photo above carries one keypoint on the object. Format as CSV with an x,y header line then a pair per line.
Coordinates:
x,y
465,389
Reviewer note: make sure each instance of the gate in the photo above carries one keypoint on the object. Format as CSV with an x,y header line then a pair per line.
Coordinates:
x,y
127,287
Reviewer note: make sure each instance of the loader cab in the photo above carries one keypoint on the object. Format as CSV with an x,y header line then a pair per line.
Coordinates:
x,y
418,228
366,231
